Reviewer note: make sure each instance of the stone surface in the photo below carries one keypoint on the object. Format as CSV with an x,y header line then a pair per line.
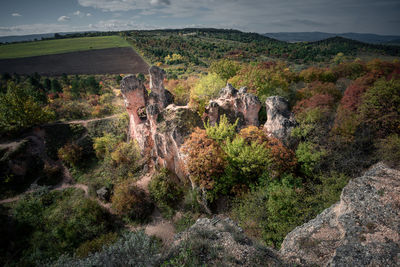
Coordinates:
x,y
362,229
159,127
235,105
103,194
225,237
280,121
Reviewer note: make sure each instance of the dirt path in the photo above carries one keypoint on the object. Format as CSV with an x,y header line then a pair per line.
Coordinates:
x,y
159,227
85,122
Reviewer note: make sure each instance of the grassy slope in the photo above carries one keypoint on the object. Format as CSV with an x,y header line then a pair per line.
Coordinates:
x,y
58,46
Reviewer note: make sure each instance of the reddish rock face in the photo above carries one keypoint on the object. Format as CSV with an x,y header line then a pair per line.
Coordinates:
x,y
235,105
159,127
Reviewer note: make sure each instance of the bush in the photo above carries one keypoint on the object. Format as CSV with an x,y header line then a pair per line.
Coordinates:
x,y
315,74
225,68
206,89
52,175
104,145
71,154
164,191
20,110
222,130
131,201
380,108
205,159
125,161
132,249
282,159
271,211
247,162
309,157
265,79
181,89
389,150
95,245
53,223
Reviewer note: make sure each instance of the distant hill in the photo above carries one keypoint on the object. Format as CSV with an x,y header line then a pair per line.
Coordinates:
x,y
24,38
394,42
317,36
33,37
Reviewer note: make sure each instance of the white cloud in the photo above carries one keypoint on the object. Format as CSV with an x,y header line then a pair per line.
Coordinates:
x,y
77,13
16,15
88,14
63,18
160,2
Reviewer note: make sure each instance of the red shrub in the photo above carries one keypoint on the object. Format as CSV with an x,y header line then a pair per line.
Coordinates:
x,y
205,160
324,102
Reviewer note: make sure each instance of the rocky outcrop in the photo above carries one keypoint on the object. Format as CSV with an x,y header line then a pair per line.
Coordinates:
x,y
362,229
235,105
221,242
159,126
280,121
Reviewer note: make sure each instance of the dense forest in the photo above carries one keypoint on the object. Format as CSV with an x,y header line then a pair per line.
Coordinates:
x,y
347,112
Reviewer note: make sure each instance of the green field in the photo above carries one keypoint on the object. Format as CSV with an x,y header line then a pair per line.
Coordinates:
x,y
48,47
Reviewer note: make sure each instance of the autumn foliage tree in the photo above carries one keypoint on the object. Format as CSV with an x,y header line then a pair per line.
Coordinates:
x,y
282,159
132,201
380,108
205,160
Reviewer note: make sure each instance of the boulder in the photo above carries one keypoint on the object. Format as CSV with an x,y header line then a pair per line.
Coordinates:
x,y
235,105
280,121
103,194
362,229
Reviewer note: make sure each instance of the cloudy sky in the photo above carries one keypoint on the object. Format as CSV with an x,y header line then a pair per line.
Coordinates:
x,y
18,17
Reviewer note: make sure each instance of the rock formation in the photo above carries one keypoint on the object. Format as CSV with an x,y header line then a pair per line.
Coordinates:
x,y
226,238
280,120
158,126
235,105
362,229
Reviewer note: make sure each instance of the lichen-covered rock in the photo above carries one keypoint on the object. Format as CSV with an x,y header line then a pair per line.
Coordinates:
x,y
235,105
280,121
103,194
158,126
362,229
221,242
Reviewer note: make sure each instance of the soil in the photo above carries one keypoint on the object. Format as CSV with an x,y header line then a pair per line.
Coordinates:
x,y
101,61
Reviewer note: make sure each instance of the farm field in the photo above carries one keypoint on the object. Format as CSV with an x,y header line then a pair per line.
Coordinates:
x,y
58,46
99,61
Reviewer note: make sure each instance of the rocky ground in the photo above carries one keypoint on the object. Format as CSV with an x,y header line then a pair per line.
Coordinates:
x,y
362,229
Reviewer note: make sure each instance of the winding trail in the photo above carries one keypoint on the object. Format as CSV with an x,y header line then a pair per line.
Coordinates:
x,y
158,226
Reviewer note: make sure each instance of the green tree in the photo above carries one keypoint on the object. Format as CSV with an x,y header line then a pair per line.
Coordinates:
x,y
19,110
225,68
206,89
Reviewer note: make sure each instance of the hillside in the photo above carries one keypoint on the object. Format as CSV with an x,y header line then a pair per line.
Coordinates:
x,y
317,36
197,46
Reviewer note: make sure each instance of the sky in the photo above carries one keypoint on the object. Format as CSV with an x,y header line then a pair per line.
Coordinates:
x,y
20,17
